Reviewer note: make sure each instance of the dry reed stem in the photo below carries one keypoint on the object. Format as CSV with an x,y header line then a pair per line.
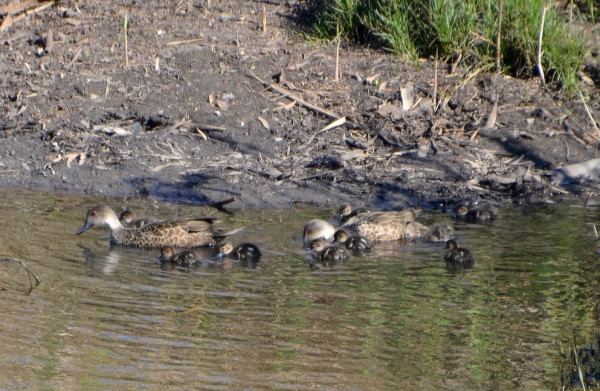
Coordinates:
x,y
589,113
125,34
539,51
499,36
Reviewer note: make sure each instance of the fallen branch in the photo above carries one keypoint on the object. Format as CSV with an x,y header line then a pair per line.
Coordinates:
x,y
75,57
289,94
29,273
8,20
332,125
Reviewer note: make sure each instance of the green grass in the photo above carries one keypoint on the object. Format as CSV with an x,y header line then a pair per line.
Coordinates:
x,y
413,29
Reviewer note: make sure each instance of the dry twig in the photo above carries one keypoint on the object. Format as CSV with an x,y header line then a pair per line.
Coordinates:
x,y
29,273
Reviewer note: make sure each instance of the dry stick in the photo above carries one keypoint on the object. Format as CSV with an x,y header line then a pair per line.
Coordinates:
x,y
75,57
541,72
589,113
125,33
29,273
499,36
8,21
337,52
539,51
435,81
289,94
337,60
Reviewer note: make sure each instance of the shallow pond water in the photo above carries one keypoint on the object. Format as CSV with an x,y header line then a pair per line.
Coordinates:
x,y
111,318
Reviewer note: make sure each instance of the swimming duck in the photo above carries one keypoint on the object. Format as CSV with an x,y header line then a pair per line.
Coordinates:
x,y
331,253
180,233
475,212
455,254
318,229
483,212
385,225
460,210
438,233
243,252
167,254
347,213
358,243
128,220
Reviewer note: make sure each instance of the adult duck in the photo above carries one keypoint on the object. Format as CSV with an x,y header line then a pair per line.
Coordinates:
x,y
179,233
385,225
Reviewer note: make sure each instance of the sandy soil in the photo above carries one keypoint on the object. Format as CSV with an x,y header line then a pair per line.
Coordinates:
x,y
189,120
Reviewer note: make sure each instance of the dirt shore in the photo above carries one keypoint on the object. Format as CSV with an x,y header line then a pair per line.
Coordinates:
x,y
188,119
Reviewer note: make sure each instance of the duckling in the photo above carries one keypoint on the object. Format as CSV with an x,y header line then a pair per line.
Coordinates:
x,y
455,254
483,212
128,220
318,229
438,233
356,242
167,255
331,253
347,213
242,252
475,212
460,210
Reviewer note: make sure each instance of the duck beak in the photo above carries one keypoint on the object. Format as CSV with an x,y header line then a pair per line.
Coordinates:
x,y
85,227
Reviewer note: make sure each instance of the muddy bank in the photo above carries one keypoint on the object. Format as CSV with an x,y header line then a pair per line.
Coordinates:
x,y
187,121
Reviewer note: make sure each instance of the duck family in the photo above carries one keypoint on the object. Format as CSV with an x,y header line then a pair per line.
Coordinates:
x,y
360,229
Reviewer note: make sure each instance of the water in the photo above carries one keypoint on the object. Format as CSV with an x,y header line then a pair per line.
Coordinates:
x,y
112,319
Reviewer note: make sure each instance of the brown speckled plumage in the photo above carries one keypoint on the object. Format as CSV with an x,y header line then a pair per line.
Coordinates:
x,y
385,226
180,233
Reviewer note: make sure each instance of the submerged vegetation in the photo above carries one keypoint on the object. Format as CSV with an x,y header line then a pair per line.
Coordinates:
x,y
463,28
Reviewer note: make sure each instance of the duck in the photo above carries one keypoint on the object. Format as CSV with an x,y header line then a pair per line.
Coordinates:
x,y
460,210
242,252
475,212
197,232
347,213
455,254
385,225
356,242
438,233
167,255
128,220
328,253
483,212
318,229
